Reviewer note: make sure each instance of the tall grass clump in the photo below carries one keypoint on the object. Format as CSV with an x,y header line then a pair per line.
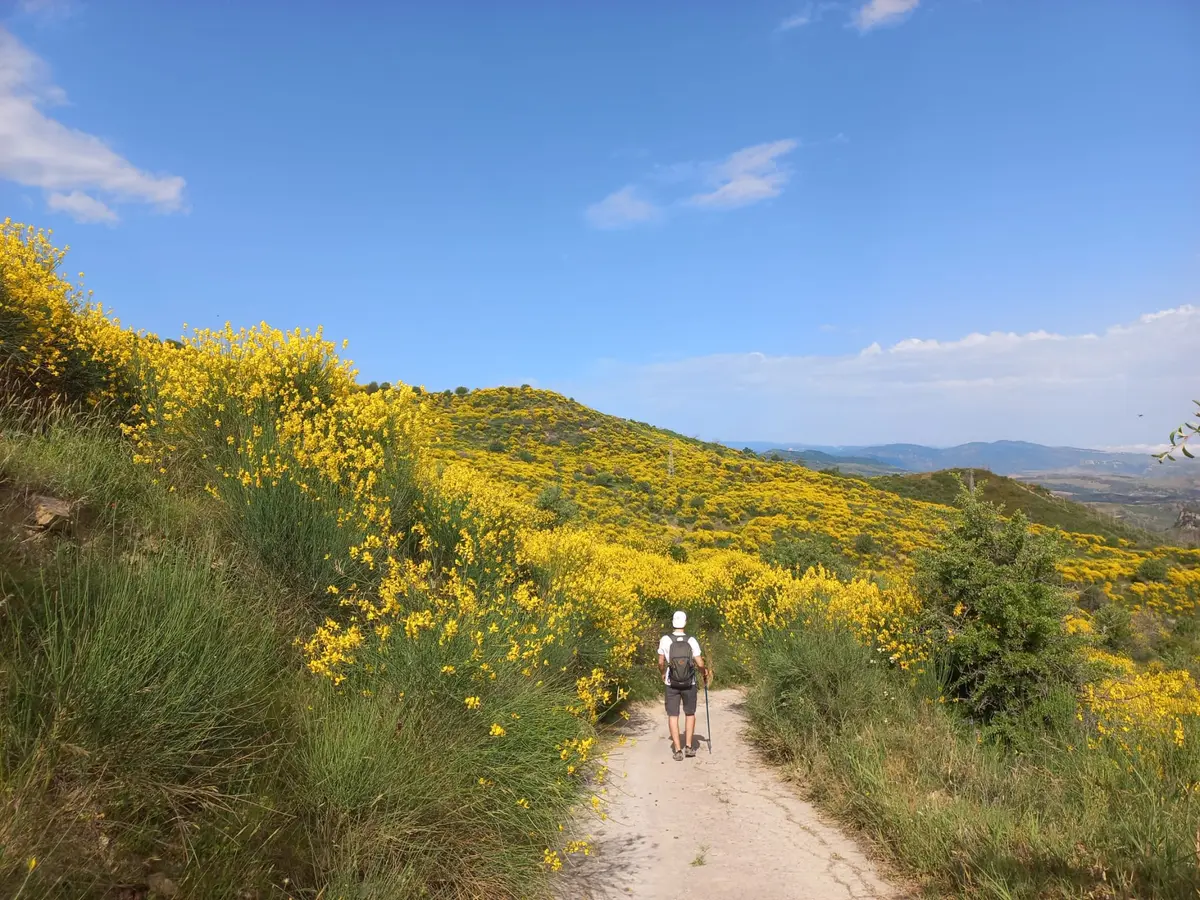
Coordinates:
x,y
384,797
141,704
82,458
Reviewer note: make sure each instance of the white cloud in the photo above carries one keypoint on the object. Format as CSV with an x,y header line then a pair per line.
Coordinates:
x,y
883,12
47,10
748,176
799,20
811,14
39,151
621,209
81,207
1125,386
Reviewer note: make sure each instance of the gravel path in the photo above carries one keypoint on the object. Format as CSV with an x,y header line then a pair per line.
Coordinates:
x,y
717,826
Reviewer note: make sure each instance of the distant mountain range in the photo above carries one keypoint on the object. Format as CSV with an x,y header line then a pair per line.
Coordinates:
x,y
1001,457
850,465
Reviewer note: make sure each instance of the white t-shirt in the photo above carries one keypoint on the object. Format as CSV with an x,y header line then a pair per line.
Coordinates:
x,y
664,650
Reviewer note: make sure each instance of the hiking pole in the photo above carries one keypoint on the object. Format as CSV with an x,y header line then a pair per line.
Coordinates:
x,y
707,718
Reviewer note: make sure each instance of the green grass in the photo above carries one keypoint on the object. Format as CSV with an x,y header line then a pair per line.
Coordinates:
x,y
1038,504
129,712
968,818
85,459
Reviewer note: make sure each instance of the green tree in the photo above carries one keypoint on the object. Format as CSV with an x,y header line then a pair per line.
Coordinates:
x,y
462,391
1153,569
993,607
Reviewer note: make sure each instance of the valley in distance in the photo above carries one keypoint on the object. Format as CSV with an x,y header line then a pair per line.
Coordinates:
x,y
1130,488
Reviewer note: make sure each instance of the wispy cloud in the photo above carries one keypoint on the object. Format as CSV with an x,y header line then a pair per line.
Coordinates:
x,y
883,12
811,14
621,209
81,207
748,176
47,10
39,151
745,177
799,20
1076,389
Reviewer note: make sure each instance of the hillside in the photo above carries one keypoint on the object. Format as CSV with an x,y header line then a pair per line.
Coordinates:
x,y
1039,504
660,488
651,488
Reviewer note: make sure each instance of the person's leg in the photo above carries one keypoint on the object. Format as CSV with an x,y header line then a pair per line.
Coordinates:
x,y
673,699
689,710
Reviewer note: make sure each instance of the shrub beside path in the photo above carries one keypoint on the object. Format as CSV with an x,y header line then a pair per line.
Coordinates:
x,y
717,826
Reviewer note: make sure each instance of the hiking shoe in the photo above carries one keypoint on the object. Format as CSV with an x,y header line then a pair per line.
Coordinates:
x,y
678,754
689,752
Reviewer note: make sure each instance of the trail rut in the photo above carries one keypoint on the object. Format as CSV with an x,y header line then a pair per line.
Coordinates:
x,y
720,825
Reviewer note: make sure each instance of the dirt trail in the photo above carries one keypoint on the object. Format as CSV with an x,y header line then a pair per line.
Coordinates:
x,y
717,826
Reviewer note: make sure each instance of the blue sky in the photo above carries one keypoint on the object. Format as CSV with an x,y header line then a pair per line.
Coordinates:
x,y
848,222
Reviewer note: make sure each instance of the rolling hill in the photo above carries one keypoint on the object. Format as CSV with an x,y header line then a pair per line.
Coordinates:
x,y
658,488
850,465
649,488
1038,503
1001,457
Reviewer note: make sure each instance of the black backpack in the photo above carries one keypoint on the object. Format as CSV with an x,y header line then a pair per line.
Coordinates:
x,y
681,668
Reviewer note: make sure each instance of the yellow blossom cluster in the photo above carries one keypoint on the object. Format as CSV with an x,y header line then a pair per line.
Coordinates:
x,y
1157,701
41,306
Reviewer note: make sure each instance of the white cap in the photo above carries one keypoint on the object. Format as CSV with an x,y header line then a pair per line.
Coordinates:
x,y
679,620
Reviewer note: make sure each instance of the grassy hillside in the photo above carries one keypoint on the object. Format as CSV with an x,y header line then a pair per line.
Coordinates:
x,y
648,487
267,633
1037,502
651,486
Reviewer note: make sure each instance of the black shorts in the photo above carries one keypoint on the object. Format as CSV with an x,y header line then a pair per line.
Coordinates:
x,y
687,695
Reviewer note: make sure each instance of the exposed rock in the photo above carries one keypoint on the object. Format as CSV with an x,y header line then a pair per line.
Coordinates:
x,y
1188,518
161,886
50,512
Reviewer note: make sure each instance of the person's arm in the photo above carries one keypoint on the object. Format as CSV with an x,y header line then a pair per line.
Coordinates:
x,y
699,657
662,665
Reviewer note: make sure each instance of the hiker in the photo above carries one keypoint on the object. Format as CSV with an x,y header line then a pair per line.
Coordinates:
x,y
678,660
